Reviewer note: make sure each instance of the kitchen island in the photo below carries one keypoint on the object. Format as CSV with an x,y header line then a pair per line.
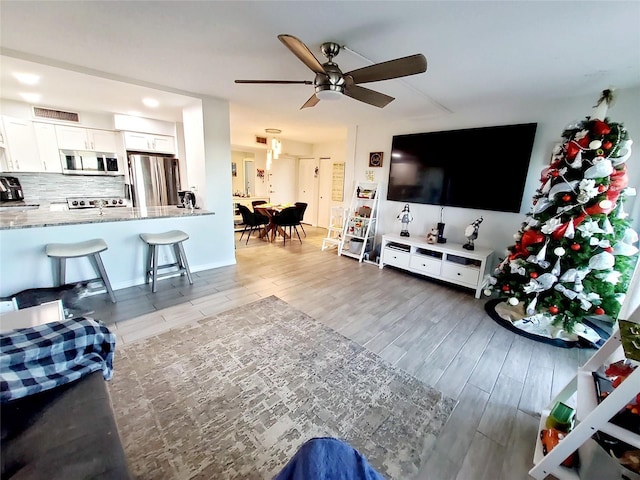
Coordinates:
x,y
25,233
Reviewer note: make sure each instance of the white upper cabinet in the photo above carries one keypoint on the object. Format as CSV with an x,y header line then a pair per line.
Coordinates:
x,y
103,140
78,138
22,155
47,147
163,143
148,142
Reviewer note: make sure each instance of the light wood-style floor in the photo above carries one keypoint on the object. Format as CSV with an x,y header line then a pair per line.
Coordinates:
x,y
438,333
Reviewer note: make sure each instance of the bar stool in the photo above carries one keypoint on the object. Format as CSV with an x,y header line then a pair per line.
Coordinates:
x,y
90,248
173,238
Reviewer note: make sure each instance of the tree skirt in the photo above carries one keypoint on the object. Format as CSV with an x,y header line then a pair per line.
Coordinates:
x,y
540,327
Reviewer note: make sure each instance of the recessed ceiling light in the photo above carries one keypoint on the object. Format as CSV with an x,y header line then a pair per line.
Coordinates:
x,y
31,97
150,102
27,78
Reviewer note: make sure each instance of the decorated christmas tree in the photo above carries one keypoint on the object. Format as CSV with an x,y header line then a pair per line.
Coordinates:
x,y
574,254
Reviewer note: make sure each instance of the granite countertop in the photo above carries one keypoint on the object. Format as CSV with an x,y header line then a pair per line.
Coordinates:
x,y
46,218
19,205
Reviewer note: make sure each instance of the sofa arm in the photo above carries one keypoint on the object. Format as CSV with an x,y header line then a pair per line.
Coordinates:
x,y
62,433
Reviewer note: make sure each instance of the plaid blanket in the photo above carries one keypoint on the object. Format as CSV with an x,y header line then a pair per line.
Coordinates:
x,y
40,358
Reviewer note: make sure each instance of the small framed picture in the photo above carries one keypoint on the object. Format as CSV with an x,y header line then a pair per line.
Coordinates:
x,y
375,159
234,169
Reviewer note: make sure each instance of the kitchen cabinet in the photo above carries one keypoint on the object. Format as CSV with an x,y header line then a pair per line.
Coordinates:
x,y
47,144
22,154
78,138
149,142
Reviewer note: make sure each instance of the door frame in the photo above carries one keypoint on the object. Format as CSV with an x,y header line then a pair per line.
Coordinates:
x,y
308,188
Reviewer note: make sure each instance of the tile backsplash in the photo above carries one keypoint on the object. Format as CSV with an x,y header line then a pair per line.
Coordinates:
x,y
56,187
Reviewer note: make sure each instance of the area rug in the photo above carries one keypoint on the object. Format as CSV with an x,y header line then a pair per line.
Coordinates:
x,y
236,395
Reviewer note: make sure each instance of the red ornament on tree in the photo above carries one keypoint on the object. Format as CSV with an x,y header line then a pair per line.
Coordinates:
x,y
600,128
533,274
602,188
584,141
505,288
555,173
572,149
608,249
531,237
553,310
607,145
619,179
599,311
566,197
575,247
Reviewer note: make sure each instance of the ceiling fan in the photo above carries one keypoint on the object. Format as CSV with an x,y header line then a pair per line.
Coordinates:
x,y
330,83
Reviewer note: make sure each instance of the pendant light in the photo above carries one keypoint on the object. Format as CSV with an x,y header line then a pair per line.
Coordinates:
x,y
274,152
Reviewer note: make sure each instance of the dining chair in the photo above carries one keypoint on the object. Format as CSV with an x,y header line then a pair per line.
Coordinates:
x,y
301,209
252,221
288,217
256,202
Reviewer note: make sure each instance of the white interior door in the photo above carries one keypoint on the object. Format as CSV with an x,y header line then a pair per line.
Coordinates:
x,y
324,192
308,188
283,180
249,177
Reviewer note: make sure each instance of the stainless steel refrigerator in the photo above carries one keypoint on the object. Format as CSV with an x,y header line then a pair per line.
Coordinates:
x,y
154,180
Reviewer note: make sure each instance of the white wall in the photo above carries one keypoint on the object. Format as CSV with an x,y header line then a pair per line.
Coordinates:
x,y
336,152
208,158
144,125
102,121
262,184
26,265
497,230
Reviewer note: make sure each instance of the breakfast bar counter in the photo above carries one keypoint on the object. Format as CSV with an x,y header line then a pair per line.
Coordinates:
x,y
19,218
24,235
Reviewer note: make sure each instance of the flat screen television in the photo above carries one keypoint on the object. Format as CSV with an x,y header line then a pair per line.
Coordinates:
x,y
483,168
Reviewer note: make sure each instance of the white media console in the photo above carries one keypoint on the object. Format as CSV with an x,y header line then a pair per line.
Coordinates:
x,y
445,261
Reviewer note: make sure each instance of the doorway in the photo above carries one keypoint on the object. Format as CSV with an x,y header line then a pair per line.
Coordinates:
x,y
282,180
249,177
325,201
308,170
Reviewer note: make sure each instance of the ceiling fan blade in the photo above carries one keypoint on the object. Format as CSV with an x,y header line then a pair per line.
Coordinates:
x,y
312,102
301,51
365,95
400,67
283,82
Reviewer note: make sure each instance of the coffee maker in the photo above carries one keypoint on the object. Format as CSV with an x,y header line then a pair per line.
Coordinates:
x,y
10,189
187,199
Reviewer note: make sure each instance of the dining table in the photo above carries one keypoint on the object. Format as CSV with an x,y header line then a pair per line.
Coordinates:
x,y
269,210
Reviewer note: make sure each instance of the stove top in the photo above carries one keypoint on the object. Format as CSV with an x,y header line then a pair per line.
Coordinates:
x,y
94,202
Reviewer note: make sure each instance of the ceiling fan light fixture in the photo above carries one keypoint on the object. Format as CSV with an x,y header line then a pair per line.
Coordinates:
x,y
329,92
331,83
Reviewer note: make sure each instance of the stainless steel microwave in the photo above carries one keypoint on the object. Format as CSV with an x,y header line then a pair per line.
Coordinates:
x,y
89,163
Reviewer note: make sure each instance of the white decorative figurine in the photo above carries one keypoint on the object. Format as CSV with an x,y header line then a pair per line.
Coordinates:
x,y
432,236
471,232
405,217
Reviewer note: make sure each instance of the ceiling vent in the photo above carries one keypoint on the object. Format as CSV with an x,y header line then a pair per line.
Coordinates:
x,y
55,114
261,140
